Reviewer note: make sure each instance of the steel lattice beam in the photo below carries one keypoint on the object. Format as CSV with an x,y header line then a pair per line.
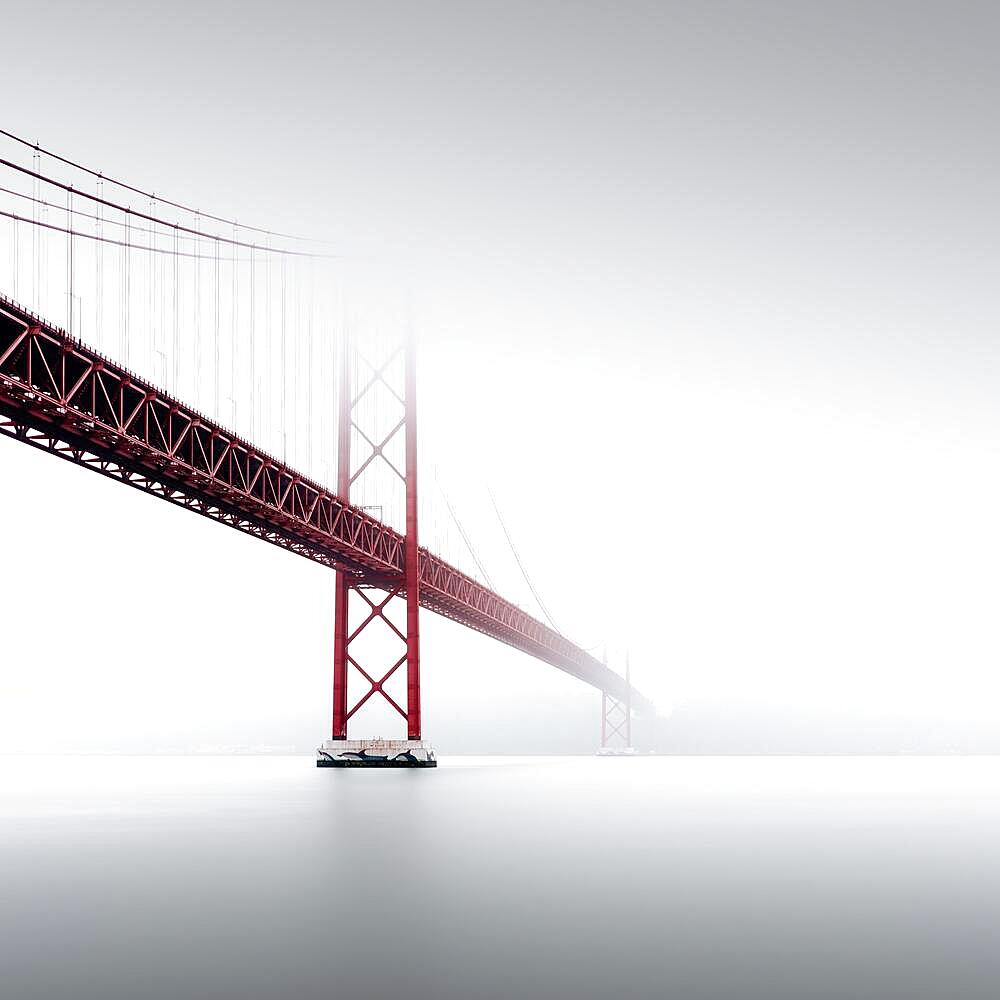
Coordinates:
x,y
62,396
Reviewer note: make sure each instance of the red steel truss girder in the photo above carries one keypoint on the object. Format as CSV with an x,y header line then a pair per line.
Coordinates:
x,y
60,395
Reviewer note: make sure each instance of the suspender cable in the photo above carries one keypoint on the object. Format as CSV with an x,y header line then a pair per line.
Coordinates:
x,y
253,345
309,373
197,323
36,266
175,349
99,266
69,261
216,335
16,258
296,365
44,265
233,348
284,369
161,279
268,367
128,290
153,317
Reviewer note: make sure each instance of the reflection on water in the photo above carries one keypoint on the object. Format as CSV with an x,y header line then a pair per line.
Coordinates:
x,y
499,877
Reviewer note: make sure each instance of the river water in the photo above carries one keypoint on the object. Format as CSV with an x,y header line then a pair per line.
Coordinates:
x,y
688,877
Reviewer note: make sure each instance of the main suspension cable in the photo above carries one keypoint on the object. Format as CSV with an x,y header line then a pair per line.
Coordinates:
x,y
78,213
147,194
465,537
176,226
520,565
119,243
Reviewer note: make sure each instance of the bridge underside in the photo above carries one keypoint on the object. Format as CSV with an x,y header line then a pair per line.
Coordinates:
x,y
62,397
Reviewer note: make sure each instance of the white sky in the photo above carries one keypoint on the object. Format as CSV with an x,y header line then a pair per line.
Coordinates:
x,y
706,297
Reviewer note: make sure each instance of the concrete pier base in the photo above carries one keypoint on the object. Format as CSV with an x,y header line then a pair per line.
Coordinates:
x,y
375,753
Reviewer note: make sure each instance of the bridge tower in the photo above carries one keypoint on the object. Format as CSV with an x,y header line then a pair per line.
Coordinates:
x,y
377,594
616,719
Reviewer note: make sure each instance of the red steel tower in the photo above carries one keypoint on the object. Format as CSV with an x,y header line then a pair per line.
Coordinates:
x,y
339,751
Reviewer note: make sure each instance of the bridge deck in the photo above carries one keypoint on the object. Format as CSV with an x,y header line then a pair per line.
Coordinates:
x,y
59,395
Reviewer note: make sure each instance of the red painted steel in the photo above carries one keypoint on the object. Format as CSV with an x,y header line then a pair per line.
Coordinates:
x,y
376,613
342,590
63,397
411,556
407,586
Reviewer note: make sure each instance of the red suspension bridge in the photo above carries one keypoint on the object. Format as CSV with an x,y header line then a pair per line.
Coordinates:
x,y
163,303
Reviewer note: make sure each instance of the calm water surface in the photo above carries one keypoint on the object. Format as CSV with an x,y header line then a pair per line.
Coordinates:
x,y
215,877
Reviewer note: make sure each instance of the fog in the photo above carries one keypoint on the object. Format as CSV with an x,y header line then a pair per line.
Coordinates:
x,y
705,298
